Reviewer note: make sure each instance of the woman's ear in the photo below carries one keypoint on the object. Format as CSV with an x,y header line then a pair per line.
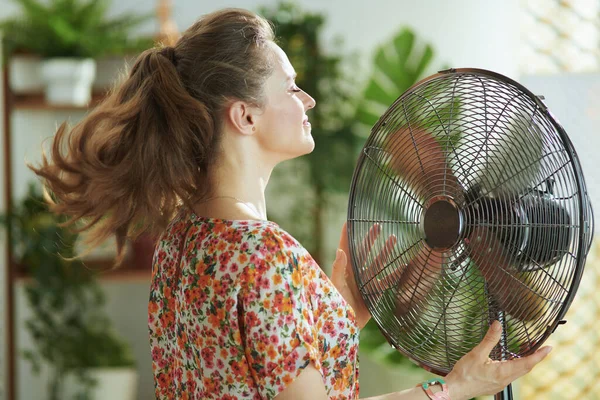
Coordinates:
x,y
242,117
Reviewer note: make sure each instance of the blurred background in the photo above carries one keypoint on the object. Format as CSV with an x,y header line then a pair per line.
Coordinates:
x,y
342,50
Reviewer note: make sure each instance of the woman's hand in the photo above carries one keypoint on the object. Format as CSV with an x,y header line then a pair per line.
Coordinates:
x,y
342,274
475,374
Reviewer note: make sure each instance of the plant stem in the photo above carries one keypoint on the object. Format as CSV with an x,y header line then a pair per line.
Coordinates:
x,y
55,385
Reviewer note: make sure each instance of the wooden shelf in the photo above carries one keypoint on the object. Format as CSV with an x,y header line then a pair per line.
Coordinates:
x,y
104,271
37,101
126,276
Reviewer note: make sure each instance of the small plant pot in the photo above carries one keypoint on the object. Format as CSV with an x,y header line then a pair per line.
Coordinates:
x,y
68,80
115,383
111,383
25,74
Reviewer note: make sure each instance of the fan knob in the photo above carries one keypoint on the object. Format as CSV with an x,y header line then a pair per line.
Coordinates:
x,y
442,223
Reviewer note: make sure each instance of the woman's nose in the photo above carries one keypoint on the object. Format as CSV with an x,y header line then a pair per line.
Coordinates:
x,y
309,102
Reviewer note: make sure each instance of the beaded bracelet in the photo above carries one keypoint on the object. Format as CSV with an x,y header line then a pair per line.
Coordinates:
x,y
443,395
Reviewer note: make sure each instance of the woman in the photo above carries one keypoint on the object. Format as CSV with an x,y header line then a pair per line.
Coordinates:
x,y
238,308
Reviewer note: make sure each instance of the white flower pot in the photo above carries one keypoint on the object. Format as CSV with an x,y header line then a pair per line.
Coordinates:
x,y
111,383
24,71
68,80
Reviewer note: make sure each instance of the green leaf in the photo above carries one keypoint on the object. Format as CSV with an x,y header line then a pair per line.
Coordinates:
x,y
33,359
64,29
376,91
397,65
424,61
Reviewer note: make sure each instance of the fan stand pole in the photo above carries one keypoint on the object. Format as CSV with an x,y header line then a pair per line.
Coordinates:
x,y
506,393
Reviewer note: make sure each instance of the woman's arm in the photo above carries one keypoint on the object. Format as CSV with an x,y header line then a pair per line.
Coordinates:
x,y
475,374
309,386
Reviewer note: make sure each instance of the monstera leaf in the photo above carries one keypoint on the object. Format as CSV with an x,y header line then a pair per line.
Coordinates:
x,y
398,64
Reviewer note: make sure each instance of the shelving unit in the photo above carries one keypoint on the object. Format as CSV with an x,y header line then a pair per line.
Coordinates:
x,y
132,270
36,101
107,275
129,273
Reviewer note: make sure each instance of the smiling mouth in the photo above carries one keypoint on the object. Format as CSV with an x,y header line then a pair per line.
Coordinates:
x,y
305,121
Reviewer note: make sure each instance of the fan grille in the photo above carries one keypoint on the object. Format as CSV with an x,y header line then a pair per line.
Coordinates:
x,y
483,190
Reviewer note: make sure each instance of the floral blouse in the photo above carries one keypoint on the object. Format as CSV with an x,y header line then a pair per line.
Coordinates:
x,y
238,308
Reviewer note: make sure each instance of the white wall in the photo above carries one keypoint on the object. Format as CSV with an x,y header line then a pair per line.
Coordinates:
x,y
465,33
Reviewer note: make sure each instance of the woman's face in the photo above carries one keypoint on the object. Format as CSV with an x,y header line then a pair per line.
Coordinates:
x,y
284,130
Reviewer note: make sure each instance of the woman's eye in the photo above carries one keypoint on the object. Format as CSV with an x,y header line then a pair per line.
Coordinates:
x,y
296,89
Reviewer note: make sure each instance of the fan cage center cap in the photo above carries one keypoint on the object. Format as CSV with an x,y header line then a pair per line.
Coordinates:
x,y
442,223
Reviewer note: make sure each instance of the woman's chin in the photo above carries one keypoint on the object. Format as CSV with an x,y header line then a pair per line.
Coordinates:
x,y
310,144
307,147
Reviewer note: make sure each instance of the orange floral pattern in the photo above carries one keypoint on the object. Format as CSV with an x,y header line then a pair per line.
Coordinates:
x,y
238,308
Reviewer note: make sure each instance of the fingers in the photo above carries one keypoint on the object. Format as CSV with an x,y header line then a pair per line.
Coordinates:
x,y
387,250
367,243
490,340
373,287
415,281
373,234
375,262
379,263
344,237
338,270
526,364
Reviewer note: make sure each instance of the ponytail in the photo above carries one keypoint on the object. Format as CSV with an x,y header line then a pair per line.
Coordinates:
x,y
139,155
146,150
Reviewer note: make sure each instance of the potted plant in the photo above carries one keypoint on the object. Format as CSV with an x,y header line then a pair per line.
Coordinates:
x,y
71,332
69,35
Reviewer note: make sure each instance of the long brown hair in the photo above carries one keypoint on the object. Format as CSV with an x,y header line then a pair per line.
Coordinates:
x,y
148,148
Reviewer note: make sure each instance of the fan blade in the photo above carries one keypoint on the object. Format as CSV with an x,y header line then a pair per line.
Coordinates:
x,y
513,155
415,280
512,291
419,158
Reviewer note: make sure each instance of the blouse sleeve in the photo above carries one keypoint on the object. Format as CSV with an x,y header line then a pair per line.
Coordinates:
x,y
278,330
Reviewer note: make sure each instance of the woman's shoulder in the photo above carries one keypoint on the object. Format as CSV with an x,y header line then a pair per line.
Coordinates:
x,y
253,234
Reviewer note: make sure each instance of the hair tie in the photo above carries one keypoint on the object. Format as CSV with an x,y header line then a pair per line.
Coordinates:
x,y
169,53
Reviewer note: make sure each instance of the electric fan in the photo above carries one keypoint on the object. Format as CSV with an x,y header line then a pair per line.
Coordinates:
x,y
484,191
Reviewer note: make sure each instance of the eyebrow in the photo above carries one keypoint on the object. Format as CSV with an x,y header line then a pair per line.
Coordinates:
x,y
293,77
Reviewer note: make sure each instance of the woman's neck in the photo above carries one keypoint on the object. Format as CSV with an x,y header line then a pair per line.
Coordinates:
x,y
228,208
